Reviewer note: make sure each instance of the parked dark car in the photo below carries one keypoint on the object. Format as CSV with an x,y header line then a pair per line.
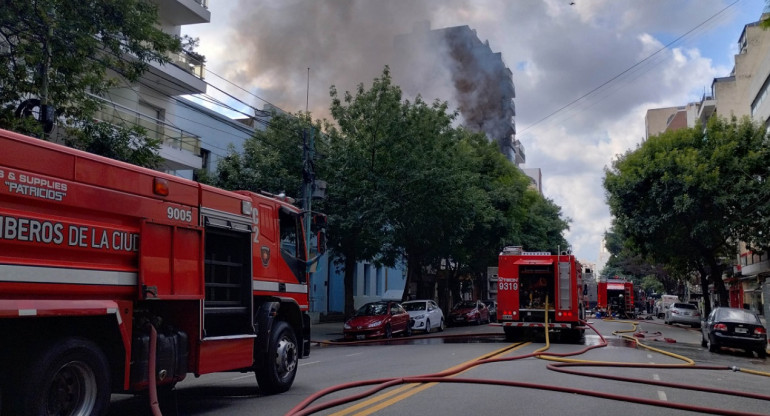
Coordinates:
x,y
492,306
469,311
735,328
378,320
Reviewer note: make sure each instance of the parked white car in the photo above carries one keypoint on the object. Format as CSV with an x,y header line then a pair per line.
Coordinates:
x,y
425,314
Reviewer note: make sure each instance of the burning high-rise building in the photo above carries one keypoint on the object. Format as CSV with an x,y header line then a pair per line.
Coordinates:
x,y
471,77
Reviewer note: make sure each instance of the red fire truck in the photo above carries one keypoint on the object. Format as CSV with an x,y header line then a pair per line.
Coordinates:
x,y
616,297
527,281
116,278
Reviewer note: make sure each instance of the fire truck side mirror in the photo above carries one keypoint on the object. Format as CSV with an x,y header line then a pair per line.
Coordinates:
x,y
319,229
322,241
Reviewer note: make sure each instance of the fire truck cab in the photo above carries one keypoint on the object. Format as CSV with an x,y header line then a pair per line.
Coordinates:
x,y
536,285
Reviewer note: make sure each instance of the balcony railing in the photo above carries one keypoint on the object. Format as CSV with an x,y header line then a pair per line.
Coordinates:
x,y
190,63
156,129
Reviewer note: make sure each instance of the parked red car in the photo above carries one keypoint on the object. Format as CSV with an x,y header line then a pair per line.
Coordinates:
x,y
469,311
378,320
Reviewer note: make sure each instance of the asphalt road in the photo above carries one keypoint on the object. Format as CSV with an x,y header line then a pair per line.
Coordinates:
x,y
332,365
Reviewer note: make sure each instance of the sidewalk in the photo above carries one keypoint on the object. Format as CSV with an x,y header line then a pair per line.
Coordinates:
x,y
325,331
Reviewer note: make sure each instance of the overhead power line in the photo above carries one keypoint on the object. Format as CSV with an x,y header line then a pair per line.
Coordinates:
x,y
629,69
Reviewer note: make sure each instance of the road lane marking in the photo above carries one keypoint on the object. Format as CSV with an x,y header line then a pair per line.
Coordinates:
x,y
662,396
310,363
411,389
656,377
354,354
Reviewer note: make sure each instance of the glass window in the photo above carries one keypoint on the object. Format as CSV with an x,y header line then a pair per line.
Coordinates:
x,y
291,235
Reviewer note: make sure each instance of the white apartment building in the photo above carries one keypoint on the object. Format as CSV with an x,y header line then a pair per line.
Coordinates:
x,y
193,136
742,93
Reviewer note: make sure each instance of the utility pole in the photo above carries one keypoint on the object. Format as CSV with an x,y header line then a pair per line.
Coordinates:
x,y
308,173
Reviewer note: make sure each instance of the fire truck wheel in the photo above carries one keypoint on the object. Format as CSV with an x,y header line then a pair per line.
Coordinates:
x,y
277,375
511,334
71,377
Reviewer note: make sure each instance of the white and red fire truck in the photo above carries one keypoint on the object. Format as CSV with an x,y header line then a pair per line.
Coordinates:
x,y
117,278
616,297
533,284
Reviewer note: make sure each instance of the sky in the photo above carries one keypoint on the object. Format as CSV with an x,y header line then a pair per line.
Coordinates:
x,y
585,71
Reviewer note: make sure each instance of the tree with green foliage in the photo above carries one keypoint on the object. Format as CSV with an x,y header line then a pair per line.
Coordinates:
x,y
127,144
57,55
543,227
271,159
684,197
357,204
496,192
626,261
403,185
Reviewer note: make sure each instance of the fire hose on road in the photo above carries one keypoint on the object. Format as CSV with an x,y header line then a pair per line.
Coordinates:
x,y
562,362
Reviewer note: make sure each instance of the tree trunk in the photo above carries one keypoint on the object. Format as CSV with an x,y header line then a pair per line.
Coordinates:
x,y
413,275
704,285
719,284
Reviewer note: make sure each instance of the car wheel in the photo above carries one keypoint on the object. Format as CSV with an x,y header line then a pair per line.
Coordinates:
x,y
388,333
703,342
427,326
441,326
762,353
713,347
408,330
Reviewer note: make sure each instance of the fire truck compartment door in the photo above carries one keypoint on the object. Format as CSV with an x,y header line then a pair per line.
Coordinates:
x,y
170,265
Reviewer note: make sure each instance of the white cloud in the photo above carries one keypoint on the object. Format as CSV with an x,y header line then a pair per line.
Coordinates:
x,y
585,74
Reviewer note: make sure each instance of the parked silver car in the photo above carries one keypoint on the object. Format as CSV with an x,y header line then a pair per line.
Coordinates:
x,y
426,315
683,313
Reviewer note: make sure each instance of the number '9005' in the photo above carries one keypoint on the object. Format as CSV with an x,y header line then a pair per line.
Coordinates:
x,y
179,214
509,286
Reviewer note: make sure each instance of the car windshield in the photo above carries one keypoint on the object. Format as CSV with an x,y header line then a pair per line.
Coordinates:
x,y
737,315
372,309
462,305
414,306
684,306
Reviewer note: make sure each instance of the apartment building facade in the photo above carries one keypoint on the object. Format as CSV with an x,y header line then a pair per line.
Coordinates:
x,y
744,92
